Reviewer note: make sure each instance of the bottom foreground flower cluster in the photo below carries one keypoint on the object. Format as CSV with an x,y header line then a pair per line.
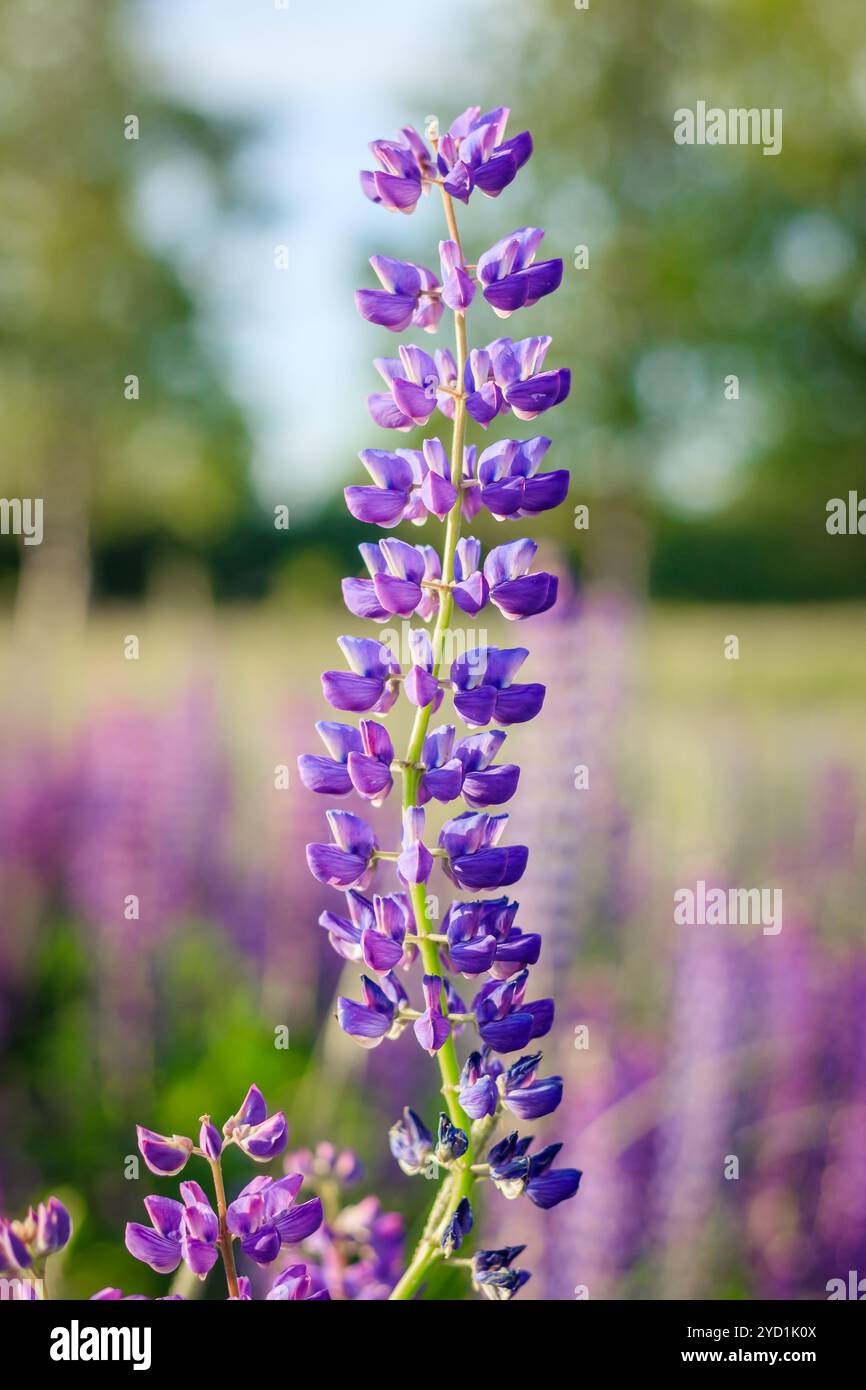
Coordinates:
x,y
350,1251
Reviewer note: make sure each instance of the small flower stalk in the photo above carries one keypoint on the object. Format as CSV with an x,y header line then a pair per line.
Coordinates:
x,y
385,927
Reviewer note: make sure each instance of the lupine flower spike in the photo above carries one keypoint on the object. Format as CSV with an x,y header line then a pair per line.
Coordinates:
x,y
440,486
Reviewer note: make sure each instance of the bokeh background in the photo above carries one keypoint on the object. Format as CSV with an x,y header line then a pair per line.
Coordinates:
x,y
160,257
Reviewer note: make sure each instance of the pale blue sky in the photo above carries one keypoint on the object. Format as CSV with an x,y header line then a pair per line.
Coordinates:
x,y
319,80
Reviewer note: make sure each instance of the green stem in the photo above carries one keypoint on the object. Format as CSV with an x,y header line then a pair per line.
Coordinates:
x,y
224,1240
459,1181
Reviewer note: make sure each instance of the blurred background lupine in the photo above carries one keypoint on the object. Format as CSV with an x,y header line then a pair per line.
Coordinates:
x,y
161,778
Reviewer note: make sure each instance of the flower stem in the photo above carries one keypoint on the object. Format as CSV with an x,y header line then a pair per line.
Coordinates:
x,y
459,1182
224,1239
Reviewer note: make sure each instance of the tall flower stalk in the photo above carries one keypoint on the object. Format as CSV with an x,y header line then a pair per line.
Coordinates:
x,y
479,937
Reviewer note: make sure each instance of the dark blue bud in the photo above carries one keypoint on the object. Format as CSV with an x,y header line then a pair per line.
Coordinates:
x,y
458,1228
502,1284
485,1261
451,1142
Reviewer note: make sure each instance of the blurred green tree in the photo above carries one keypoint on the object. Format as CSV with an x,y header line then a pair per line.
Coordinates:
x,y
110,406
704,263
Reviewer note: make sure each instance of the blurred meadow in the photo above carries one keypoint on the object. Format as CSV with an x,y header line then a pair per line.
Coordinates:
x,y
159,776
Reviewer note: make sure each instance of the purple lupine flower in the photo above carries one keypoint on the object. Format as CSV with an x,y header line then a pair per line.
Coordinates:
x,y
432,1028
508,481
478,933
209,1138
164,1156
185,1230
470,590
347,862
484,782
369,764
382,942
261,1136
458,289
400,582
370,685
421,686
413,381
330,776
506,1022
409,295
478,1094
360,1251
374,930
479,938
264,1216
344,933
295,1284
516,592
473,153
53,1227
407,485
493,1276
326,1161
484,689
516,368
515,1172
442,777
415,862
474,857
376,1018
510,275
14,1255
406,170
524,1095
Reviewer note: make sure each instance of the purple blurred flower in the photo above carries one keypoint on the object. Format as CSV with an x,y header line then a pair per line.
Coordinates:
x,y
295,1284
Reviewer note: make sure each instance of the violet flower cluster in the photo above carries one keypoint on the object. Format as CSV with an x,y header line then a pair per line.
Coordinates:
x,y
26,1245
386,932
263,1219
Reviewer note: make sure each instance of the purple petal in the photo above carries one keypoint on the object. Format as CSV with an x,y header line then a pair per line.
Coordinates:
x,y
367,1026
378,506
507,1034
491,787
335,867
371,778
518,703
300,1222
345,690
324,775
161,1253
431,1030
